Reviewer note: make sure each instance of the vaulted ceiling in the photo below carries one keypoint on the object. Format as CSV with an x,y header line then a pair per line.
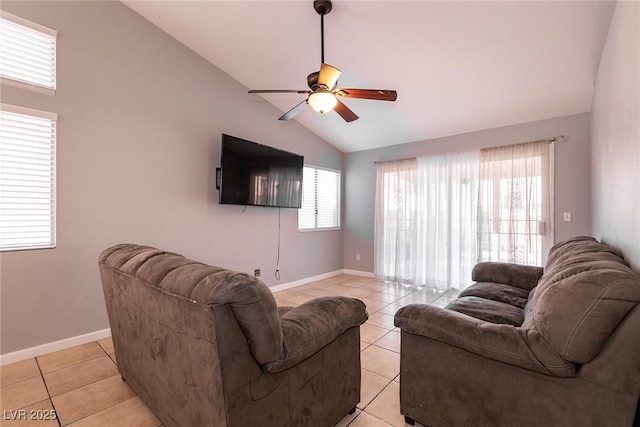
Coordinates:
x,y
457,66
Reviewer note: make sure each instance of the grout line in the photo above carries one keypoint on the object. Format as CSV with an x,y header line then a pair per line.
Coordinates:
x,y
48,393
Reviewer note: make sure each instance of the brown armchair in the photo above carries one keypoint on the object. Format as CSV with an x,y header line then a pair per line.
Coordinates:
x,y
513,350
205,346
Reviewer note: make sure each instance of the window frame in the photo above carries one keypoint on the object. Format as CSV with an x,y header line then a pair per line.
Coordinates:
x,y
338,200
46,31
53,117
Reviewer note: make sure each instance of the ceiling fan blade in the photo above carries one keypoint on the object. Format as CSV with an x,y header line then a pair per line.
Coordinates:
x,y
345,112
376,94
328,76
279,91
295,110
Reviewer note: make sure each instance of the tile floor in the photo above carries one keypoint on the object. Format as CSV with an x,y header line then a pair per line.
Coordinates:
x,y
81,387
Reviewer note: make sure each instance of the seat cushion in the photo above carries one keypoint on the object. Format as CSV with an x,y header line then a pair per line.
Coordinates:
x,y
498,292
487,310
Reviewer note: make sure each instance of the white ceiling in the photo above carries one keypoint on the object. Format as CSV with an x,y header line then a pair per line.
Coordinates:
x,y
457,66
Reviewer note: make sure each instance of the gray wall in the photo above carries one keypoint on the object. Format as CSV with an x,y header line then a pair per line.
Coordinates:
x,y
615,132
140,118
572,175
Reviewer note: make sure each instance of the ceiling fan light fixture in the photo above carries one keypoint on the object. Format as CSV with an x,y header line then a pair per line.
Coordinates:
x,y
322,101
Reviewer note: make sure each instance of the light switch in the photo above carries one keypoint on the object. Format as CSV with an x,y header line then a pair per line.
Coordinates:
x,y
567,217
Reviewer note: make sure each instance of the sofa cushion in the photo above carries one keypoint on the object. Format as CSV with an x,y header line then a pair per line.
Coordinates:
x,y
521,276
586,290
498,292
487,310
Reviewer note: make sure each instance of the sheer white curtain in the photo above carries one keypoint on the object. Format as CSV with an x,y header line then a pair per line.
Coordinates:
x,y
395,221
445,236
425,220
515,203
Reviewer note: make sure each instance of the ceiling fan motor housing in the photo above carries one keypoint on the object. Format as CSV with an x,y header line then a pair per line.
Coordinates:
x,y
322,6
312,81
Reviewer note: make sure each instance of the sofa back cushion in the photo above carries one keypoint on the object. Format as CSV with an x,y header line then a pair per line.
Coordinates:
x,y
250,300
586,289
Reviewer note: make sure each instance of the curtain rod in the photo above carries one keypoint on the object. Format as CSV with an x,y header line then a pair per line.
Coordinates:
x,y
559,138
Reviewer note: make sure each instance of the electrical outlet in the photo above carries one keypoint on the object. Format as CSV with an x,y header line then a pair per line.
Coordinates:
x,y
567,217
357,257
256,272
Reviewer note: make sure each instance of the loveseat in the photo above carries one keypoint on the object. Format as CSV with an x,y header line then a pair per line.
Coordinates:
x,y
205,346
527,346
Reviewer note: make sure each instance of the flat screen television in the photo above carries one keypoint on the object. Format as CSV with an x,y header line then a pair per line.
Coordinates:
x,y
257,175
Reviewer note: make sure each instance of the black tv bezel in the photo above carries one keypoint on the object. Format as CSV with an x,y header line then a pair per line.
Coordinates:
x,y
220,172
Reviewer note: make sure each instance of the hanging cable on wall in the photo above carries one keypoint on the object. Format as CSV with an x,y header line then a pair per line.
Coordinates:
x,y
277,274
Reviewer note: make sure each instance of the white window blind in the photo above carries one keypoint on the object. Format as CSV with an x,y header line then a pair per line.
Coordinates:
x,y
320,199
27,53
27,178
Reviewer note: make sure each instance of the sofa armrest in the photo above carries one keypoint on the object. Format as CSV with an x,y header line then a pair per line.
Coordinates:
x,y
516,346
521,276
309,327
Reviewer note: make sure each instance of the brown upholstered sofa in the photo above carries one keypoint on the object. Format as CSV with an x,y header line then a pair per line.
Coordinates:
x,y
523,348
205,346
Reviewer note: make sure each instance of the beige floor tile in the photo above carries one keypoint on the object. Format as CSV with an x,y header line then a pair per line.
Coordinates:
x,y
297,298
374,286
106,344
391,309
398,289
285,303
84,401
23,393
40,414
317,292
79,375
371,385
371,333
19,371
348,418
373,305
382,320
381,296
363,345
131,412
386,405
70,356
353,283
419,297
390,341
287,295
381,361
367,420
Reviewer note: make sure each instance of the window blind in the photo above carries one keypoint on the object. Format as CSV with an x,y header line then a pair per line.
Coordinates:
x,y
27,178
27,52
320,199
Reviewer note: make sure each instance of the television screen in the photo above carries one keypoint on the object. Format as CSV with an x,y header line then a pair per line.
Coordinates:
x,y
254,174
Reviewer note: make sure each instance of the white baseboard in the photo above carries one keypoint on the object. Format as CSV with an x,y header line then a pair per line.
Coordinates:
x,y
304,281
28,353
39,350
359,273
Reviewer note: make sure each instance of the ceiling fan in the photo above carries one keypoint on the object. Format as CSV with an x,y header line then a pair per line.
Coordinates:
x,y
324,93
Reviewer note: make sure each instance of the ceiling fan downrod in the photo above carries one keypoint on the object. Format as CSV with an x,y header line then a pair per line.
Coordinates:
x,y
322,7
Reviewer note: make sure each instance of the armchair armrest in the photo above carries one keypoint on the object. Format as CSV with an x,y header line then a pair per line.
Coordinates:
x,y
309,327
516,346
522,276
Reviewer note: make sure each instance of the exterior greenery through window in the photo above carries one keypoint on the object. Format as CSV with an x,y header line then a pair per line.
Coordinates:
x,y
320,199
